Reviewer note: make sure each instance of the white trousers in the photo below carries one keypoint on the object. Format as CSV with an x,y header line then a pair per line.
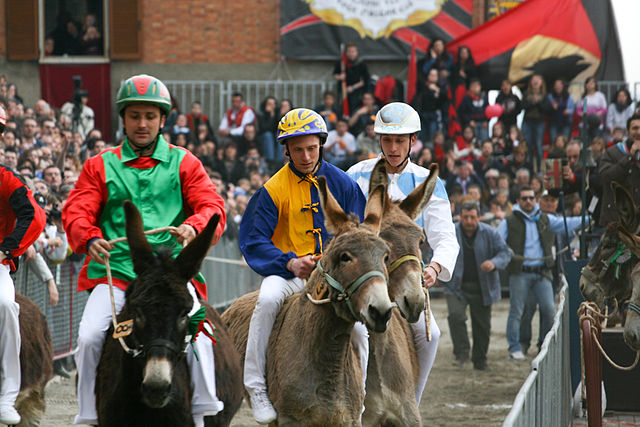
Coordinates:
x,y
273,291
426,350
9,340
95,321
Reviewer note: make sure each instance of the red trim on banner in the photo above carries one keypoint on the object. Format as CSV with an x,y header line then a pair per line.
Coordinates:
x,y
450,25
411,37
466,5
300,23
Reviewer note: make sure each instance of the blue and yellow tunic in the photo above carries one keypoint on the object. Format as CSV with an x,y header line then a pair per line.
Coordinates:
x,y
283,219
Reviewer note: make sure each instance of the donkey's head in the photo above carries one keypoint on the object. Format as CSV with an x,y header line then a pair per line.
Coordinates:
x,y
404,238
628,229
159,301
352,272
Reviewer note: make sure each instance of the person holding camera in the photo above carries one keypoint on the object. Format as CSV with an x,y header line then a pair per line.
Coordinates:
x,y
621,163
82,116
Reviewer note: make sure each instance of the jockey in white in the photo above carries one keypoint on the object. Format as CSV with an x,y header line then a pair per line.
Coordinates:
x,y
397,125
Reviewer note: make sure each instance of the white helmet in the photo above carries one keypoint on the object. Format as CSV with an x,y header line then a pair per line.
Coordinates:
x,y
397,118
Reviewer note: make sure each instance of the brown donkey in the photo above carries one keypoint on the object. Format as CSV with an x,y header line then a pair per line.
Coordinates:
x,y
152,386
393,364
36,362
614,270
314,375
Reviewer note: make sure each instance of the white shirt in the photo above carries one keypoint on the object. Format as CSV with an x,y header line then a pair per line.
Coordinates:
x,y
249,117
435,219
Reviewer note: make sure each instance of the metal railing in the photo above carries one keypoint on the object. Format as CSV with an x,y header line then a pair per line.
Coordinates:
x,y
545,396
215,95
228,277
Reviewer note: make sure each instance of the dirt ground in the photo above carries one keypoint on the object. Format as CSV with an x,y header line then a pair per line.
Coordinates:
x,y
453,397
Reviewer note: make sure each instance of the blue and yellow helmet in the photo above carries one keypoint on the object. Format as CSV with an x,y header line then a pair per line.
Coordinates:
x,y
301,121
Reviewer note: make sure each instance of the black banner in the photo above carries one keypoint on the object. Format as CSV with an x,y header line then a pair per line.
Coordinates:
x,y
382,29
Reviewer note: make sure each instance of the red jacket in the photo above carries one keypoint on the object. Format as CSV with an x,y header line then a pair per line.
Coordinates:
x,y
21,218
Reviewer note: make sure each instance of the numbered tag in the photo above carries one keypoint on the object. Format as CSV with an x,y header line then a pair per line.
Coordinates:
x,y
123,329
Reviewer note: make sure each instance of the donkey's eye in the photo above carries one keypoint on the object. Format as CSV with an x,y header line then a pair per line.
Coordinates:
x,y
386,258
345,257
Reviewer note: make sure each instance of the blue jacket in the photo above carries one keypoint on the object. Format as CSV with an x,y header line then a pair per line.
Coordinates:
x,y
488,245
283,219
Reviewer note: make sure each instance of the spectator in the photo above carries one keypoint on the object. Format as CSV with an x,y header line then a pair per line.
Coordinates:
x,y
535,104
517,160
437,57
430,101
181,127
82,116
425,158
341,146
475,283
236,118
486,160
10,139
529,233
471,110
511,104
620,163
254,163
363,115
561,107
195,118
558,147
464,69
230,168
490,183
328,110
355,75
11,157
463,177
367,142
12,92
620,109
596,109
247,140
499,140
467,148
267,127
53,177
91,42
29,132
42,109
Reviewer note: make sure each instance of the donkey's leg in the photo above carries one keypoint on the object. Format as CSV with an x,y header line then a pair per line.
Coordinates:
x,y
632,324
204,401
95,321
426,350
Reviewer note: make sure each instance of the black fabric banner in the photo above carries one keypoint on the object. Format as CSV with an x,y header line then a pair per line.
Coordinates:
x,y
382,29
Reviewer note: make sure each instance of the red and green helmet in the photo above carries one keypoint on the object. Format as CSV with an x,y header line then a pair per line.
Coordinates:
x,y
144,89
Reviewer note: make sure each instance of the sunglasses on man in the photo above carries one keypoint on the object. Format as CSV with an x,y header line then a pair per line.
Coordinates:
x,y
525,198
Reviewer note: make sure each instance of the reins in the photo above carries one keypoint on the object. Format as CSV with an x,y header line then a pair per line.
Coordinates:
x,y
121,330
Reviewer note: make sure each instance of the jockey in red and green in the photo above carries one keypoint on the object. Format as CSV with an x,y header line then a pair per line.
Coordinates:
x,y
167,183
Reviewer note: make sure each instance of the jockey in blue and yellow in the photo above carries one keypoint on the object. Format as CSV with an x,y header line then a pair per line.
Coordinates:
x,y
282,233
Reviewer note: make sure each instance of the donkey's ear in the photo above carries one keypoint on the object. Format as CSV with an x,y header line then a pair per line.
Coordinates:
x,y
375,207
417,200
626,208
631,241
378,175
141,251
334,217
190,258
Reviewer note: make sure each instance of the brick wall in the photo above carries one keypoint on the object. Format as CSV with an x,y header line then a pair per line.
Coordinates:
x,y
210,31
3,29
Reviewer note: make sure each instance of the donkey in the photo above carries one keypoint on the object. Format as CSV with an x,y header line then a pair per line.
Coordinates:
x,y
36,362
614,270
154,389
393,364
314,375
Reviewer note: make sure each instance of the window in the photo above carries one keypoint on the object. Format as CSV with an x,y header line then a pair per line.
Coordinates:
x,y
72,30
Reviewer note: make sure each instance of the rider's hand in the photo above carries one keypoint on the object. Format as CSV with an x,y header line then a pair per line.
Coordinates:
x,y
99,247
185,234
430,275
301,267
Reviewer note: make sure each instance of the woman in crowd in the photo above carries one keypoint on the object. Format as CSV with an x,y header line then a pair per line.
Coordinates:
x,y
267,126
596,109
535,104
561,108
619,111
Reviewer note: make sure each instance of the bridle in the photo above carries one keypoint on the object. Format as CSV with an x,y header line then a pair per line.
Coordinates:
x,y
347,292
397,263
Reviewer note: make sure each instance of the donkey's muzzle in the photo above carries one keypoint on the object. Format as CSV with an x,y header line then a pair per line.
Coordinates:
x,y
380,319
156,383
